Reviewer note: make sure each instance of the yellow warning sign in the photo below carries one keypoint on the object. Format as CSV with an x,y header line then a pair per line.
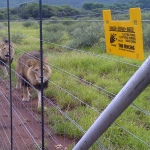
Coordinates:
x,y
124,37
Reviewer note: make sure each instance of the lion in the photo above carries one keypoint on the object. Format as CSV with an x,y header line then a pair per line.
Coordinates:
x,y
4,55
28,70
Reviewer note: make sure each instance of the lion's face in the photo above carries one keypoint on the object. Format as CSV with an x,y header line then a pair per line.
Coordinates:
x,y
4,50
34,72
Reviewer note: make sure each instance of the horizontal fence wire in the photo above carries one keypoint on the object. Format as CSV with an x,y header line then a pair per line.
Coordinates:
x,y
99,88
104,91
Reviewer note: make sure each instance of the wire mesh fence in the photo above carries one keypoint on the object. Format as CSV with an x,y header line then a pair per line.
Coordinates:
x,y
83,82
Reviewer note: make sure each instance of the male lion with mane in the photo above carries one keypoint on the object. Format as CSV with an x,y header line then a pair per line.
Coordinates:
x,y
4,55
29,70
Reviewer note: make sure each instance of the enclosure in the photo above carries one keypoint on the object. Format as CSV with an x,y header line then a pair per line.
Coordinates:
x,y
84,80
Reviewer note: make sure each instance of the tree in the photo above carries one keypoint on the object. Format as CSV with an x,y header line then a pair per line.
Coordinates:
x,y
91,6
143,3
97,5
87,6
68,11
22,11
33,10
47,11
2,16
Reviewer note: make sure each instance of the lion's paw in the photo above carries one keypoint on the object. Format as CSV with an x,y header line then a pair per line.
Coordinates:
x,y
25,99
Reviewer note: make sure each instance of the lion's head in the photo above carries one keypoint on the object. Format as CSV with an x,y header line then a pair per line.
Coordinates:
x,y
4,50
33,72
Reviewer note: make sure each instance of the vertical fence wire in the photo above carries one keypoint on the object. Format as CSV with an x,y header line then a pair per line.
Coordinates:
x,y
41,60
11,113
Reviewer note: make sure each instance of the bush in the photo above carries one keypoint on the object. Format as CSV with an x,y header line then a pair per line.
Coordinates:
x,y
54,27
76,25
28,24
146,36
53,37
17,38
3,36
146,16
2,27
86,36
53,32
5,24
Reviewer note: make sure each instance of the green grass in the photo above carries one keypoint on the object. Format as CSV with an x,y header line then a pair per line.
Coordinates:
x,y
70,91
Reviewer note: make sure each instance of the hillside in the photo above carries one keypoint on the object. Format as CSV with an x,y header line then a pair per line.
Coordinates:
x,y
73,3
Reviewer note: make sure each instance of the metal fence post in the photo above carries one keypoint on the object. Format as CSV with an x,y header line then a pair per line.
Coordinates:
x,y
10,78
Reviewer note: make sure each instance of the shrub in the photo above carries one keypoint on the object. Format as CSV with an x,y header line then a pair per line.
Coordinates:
x,y
146,16
86,36
5,24
28,24
76,25
2,27
53,32
53,37
3,36
54,27
146,36
17,37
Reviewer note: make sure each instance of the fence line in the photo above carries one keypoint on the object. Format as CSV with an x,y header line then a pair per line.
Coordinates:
x,y
44,128
104,91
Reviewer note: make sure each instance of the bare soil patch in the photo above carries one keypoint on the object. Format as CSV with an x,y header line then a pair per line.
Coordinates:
x,y
27,129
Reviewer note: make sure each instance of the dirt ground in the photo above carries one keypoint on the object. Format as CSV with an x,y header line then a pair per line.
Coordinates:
x,y
26,123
